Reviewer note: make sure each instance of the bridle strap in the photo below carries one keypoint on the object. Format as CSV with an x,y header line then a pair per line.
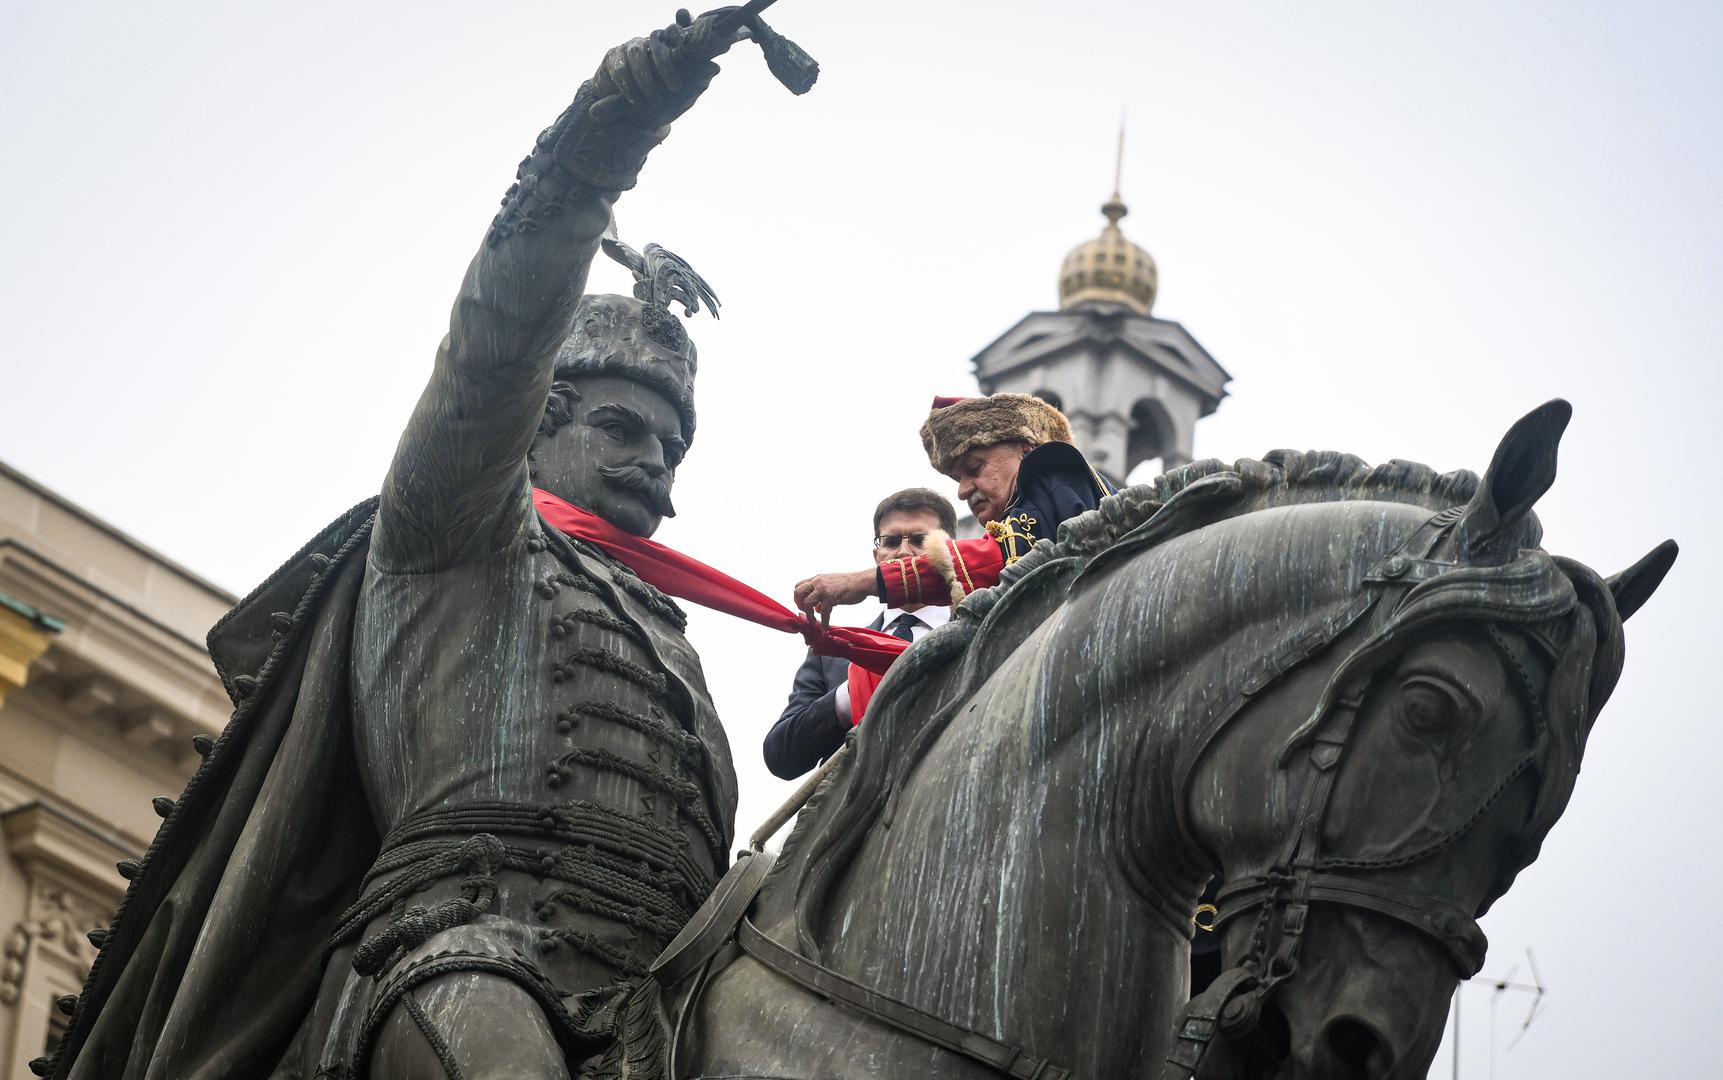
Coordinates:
x,y
1218,1010
1295,652
1407,565
1455,930
1233,1004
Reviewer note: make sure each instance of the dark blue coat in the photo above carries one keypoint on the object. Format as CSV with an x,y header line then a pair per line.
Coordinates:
x,y
1055,482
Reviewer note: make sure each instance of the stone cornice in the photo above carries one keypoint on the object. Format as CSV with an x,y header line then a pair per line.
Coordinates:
x,y
1044,335
115,665
23,639
53,843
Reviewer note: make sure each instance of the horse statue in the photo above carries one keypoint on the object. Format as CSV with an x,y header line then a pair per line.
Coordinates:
x,y
1359,694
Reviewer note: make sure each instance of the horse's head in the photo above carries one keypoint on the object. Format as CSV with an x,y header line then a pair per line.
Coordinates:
x,y
1410,755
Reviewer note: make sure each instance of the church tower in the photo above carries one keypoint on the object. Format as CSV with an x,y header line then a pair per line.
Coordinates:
x,y
1133,385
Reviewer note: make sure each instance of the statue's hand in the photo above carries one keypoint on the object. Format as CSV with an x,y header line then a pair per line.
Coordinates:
x,y
650,81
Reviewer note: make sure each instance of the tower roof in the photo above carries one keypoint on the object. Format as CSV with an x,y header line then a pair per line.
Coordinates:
x,y
1109,269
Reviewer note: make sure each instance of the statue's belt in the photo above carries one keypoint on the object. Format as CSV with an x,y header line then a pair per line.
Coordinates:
x,y
437,845
724,919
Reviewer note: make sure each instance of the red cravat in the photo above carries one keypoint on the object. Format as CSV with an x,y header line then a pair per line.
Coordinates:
x,y
690,579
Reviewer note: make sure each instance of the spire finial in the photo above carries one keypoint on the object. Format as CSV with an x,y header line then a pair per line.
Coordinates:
x,y
1114,208
1110,269
1119,161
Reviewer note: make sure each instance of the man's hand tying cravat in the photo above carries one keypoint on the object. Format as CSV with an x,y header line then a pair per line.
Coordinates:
x,y
818,595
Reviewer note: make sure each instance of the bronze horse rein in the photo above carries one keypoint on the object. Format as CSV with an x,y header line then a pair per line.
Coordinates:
x,y
1232,1005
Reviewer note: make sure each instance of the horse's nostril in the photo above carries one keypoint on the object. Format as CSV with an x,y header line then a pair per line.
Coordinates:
x,y
1357,1049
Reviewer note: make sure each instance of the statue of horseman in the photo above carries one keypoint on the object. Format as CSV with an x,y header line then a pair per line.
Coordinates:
x,y
474,782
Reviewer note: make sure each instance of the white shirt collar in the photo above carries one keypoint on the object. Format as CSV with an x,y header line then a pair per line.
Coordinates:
x,y
933,616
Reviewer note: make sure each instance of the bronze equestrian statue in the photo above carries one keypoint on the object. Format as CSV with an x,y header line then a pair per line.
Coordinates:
x,y
470,811
474,782
1359,694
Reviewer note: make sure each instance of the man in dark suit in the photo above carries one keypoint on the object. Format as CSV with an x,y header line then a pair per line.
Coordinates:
x,y
817,717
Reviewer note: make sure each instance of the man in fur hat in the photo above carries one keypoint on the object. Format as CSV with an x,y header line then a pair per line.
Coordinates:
x,y
474,777
1012,459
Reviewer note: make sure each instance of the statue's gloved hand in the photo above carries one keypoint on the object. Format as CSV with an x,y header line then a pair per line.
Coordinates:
x,y
617,117
649,82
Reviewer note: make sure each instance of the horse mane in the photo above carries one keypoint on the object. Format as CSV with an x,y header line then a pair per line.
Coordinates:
x,y
829,830
1280,478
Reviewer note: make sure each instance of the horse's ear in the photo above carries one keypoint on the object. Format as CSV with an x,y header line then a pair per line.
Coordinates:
x,y
1634,586
1522,470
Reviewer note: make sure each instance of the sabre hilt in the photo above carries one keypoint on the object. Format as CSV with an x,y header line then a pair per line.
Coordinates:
x,y
709,37
788,62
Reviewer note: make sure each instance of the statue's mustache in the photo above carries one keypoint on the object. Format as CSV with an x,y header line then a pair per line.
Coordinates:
x,y
634,479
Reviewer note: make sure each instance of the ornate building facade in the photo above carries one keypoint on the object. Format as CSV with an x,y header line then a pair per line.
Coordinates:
x,y
104,681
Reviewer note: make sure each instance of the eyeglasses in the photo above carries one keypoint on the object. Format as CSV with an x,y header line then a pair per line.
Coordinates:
x,y
888,541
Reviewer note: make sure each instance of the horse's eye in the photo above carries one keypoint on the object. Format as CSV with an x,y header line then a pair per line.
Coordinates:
x,y
1427,707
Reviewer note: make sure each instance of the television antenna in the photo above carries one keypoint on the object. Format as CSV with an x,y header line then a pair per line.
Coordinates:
x,y
1507,984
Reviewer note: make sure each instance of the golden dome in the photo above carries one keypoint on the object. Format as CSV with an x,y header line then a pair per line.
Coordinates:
x,y
1109,268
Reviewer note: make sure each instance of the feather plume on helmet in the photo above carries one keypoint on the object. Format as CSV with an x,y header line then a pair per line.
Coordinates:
x,y
637,337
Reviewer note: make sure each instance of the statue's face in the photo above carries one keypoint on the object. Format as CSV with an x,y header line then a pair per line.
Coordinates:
x,y
618,456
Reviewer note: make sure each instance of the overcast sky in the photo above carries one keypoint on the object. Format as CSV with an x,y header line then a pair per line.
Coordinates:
x,y
232,232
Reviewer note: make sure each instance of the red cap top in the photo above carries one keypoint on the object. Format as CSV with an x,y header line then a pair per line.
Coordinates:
x,y
946,402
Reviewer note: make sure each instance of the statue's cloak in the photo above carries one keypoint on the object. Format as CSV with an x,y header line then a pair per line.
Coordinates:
x,y
215,957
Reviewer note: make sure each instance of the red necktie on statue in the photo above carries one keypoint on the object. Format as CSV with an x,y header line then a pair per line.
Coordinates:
x,y
690,579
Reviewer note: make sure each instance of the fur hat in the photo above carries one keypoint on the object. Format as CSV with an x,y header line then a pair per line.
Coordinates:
x,y
958,425
637,337
619,335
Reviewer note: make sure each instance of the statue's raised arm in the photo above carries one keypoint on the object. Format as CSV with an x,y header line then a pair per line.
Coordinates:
x,y
456,488
474,782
